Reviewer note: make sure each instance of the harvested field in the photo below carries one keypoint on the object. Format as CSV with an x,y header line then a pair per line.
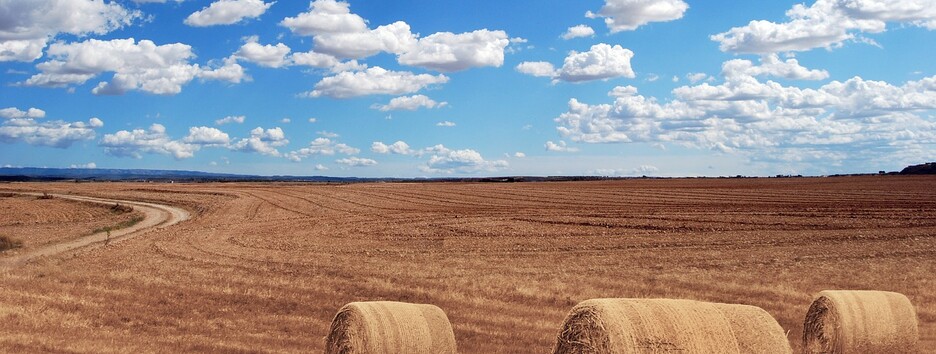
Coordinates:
x,y
265,266
37,221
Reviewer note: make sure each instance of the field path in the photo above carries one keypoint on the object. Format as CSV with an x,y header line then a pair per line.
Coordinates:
x,y
155,216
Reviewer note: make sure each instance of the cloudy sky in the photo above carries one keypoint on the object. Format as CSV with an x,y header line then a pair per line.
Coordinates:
x,y
450,88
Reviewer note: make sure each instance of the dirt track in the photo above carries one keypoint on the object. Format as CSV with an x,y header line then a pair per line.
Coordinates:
x,y
154,216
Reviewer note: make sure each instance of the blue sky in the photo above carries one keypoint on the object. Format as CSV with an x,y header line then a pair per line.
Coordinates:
x,y
454,88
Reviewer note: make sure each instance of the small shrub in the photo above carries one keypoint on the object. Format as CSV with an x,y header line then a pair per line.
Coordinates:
x,y
7,243
46,196
120,209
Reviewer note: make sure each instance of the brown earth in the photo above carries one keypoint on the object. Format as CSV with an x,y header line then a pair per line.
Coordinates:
x,y
37,222
264,267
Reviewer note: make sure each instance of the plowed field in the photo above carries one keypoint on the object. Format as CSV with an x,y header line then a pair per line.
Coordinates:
x,y
264,267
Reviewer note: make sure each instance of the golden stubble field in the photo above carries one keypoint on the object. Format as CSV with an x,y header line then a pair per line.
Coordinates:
x,y
264,267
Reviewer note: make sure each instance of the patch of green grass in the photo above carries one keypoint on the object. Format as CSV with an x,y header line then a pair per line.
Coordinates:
x,y
121,225
7,243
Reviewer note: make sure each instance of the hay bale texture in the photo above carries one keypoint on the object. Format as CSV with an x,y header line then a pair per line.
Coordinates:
x,y
390,327
668,325
856,321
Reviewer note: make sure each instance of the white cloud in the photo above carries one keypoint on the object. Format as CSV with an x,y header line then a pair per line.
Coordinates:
x,y
855,120
519,155
137,142
26,26
399,148
409,103
230,71
559,147
324,17
354,161
286,120
578,31
449,52
394,38
142,66
207,136
537,68
230,119
226,12
315,60
468,161
772,66
321,167
52,133
313,120
825,24
271,56
89,165
601,62
696,77
373,81
322,147
327,134
13,112
627,15
445,123
263,141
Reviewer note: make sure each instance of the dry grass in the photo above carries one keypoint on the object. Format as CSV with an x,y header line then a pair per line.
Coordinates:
x,y
7,243
265,266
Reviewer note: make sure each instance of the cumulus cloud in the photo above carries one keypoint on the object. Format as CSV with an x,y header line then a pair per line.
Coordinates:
x,y
230,119
559,147
229,71
27,26
322,146
825,24
449,52
154,140
339,33
324,17
354,161
409,103
628,15
578,31
537,68
519,155
856,119
601,62
13,112
445,123
271,56
466,161
373,81
227,12
22,126
207,136
399,148
158,69
262,141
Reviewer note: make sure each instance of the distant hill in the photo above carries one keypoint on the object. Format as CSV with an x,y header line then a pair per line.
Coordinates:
x,y
928,168
104,174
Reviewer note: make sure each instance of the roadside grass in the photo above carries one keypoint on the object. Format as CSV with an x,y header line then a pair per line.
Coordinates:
x,y
122,225
7,243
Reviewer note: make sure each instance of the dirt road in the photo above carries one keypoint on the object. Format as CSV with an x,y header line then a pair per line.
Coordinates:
x,y
155,216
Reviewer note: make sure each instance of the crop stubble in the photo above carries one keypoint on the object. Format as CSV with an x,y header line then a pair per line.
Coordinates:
x,y
265,266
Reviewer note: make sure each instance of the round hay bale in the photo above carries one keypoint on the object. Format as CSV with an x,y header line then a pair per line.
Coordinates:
x,y
390,327
667,325
860,321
